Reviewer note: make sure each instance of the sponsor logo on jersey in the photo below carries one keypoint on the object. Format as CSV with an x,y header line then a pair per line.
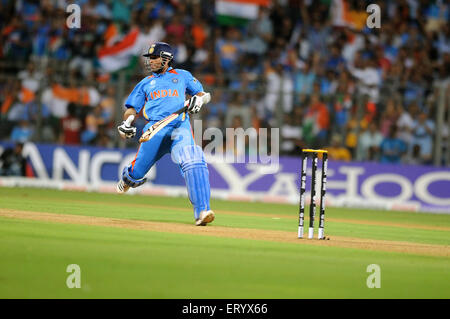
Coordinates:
x,y
163,93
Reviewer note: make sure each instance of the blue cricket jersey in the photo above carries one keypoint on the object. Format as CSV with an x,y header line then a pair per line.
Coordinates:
x,y
163,94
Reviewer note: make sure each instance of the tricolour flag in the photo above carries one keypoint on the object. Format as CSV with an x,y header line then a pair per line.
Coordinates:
x,y
238,12
343,16
339,12
120,54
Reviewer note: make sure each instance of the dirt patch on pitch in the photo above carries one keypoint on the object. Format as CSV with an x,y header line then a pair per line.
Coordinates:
x,y
281,216
340,220
229,232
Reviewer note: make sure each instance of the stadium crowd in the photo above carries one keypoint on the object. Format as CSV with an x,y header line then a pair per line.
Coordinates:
x,y
313,68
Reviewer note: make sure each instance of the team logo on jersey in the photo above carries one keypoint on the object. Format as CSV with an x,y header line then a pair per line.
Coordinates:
x,y
175,80
195,80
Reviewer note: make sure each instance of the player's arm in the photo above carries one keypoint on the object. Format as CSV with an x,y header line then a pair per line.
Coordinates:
x,y
134,104
130,111
194,88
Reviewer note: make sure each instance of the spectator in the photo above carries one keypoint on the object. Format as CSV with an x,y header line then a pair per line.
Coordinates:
x,y
12,108
336,61
30,78
83,52
279,90
71,126
238,107
415,89
290,136
92,122
121,10
392,148
304,80
176,29
369,78
260,33
342,106
22,132
183,52
336,151
107,105
251,73
104,140
388,118
405,124
12,162
97,9
234,145
318,113
369,143
229,51
423,129
328,83
17,40
200,33
216,110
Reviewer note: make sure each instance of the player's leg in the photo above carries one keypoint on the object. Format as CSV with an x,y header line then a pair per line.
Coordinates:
x,y
194,169
148,153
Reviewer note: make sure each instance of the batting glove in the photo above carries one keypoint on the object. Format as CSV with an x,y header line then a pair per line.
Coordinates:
x,y
126,131
195,104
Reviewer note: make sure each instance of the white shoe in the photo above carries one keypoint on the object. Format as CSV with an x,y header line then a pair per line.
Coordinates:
x,y
122,187
205,218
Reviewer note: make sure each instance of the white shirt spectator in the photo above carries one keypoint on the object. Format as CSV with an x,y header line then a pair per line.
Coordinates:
x,y
366,141
405,124
279,85
200,56
30,80
57,107
423,135
147,37
370,81
350,48
94,96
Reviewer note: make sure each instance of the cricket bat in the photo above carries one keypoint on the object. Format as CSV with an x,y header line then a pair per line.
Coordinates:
x,y
158,126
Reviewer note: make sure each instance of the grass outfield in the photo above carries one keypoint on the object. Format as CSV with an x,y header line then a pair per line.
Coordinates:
x,y
130,247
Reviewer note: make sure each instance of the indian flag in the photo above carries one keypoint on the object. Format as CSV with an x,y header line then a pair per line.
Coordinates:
x,y
238,12
119,55
339,12
343,16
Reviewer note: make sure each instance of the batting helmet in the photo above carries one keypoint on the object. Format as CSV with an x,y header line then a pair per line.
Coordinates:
x,y
160,49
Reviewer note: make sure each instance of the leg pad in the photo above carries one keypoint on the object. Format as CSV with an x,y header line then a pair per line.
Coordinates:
x,y
195,172
130,181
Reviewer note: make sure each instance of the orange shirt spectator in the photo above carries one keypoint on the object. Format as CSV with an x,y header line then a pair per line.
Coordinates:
x,y
319,110
199,34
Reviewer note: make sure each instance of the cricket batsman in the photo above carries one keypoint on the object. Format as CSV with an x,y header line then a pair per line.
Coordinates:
x,y
159,95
